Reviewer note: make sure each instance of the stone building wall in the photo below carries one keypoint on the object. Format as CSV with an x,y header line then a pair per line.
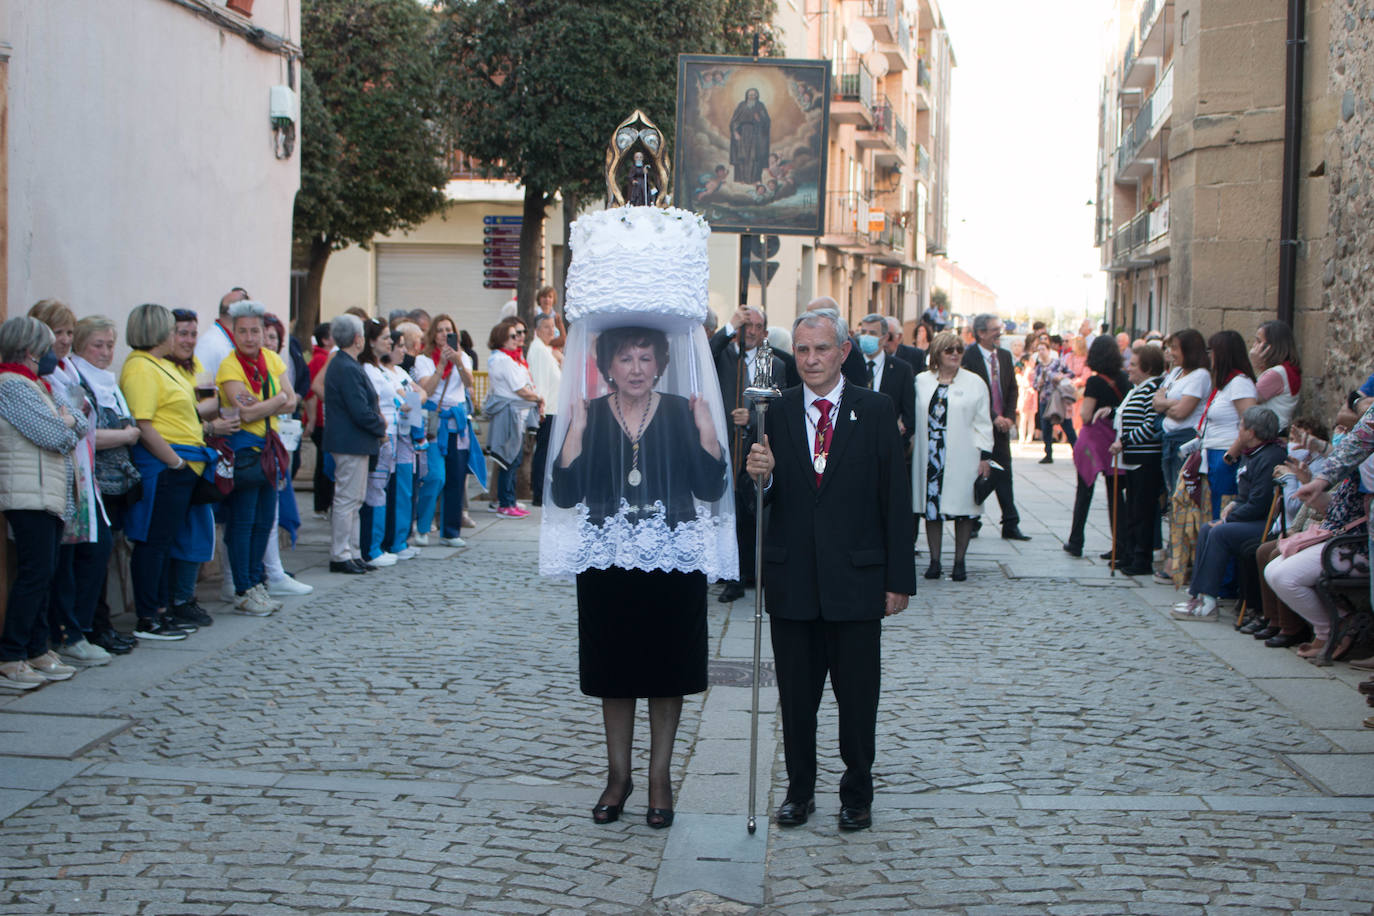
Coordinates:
x,y
1347,297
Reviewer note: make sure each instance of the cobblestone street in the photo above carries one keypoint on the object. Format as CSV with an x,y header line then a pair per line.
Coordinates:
x,y
1049,741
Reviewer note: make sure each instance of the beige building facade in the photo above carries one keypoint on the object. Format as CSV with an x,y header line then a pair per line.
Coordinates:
x,y
1191,175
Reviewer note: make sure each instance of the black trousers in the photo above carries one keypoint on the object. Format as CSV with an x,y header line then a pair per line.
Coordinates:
x,y
804,652
540,459
1083,501
744,535
324,485
1142,510
1001,453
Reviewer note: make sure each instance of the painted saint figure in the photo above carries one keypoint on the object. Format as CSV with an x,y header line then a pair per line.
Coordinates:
x,y
749,138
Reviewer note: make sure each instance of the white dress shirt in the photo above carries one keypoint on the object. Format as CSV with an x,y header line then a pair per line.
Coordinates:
x,y
879,361
813,413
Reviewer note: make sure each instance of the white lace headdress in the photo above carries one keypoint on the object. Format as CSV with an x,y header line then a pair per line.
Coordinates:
x,y
639,267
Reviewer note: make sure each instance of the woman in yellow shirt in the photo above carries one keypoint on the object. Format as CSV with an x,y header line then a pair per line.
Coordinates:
x,y
170,455
252,385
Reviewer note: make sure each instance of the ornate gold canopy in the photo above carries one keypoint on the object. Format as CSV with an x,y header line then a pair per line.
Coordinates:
x,y
637,134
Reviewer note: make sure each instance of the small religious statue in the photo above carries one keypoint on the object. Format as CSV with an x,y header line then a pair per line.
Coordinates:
x,y
637,142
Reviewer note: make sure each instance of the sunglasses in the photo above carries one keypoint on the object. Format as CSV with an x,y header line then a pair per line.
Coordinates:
x,y
952,350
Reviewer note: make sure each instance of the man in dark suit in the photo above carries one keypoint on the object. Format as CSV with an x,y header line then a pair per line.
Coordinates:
x,y
837,559
993,365
853,367
734,349
893,377
914,357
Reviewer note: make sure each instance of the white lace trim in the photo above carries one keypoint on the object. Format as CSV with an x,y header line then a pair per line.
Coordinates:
x,y
639,261
569,542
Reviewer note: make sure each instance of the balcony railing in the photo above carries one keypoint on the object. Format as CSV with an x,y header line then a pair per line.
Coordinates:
x,y
846,214
854,82
1147,120
1128,58
883,117
899,135
883,9
1147,226
904,37
922,74
922,162
893,235
1147,16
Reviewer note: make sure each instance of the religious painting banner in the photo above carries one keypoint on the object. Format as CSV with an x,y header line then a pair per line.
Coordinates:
x,y
751,142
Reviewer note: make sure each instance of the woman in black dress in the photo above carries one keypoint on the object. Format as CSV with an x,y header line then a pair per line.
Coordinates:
x,y
639,462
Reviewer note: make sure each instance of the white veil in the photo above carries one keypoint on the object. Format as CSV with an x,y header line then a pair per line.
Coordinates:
x,y
681,516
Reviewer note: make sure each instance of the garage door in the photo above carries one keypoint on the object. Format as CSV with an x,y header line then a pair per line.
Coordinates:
x,y
440,278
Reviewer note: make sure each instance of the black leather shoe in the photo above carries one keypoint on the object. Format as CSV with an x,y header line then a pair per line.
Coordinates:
x,y
1105,555
856,818
958,574
345,566
1014,534
363,565
113,641
1046,460
732,591
1266,633
933,571
1253,626
794,813
609,814
1284,640
1073,551
1144,570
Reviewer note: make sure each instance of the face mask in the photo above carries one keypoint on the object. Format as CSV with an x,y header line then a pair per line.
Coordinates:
x,y
869,344
47,363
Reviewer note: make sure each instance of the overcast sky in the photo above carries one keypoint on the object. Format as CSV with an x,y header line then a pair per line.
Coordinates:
x,y
1024,150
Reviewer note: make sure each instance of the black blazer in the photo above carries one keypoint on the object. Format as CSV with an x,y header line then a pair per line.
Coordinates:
x,y
833,552
899,383
973,361
912,356
355,424
855,367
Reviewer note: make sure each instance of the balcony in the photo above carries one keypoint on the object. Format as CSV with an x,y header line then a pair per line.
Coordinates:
x,y
852,101
1144,240
893,235
881,135
922,162
1149,120
846,221
897,52
881,16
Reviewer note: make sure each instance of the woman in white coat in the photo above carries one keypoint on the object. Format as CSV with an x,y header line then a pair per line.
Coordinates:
x,y
953,446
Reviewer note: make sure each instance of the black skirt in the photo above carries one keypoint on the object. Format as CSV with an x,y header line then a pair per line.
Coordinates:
x,y
641,634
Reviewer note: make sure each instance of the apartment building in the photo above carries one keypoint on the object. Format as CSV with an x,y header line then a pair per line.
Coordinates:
x,y
1229,176
887,197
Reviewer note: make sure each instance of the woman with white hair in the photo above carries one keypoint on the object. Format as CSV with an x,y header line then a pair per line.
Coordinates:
x,y
38,432
253,385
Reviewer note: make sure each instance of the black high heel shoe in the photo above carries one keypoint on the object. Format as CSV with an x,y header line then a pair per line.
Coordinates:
x,y
959,574
658,818
609,814
933,571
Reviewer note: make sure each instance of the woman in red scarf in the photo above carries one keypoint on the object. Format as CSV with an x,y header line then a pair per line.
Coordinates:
x,y
252,384
1278,373
510,385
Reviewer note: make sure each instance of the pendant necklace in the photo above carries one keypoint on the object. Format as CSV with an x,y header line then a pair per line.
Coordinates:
x,y
634,477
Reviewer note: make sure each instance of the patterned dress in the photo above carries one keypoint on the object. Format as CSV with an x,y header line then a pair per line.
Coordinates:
x,y
935,454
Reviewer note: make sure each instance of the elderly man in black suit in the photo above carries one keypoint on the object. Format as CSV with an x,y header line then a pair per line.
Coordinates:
x,y
892,376
914,357
735,349
993,364
837,558
853,367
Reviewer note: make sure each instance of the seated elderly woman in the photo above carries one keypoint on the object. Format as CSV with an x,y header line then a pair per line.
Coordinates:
x,y
38,432
1242,519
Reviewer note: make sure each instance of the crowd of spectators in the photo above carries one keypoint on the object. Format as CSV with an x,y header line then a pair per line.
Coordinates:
x,y
195,440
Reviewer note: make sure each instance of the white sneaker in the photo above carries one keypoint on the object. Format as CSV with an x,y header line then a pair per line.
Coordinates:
x,y
409,553
84,655
383,559
287,587
253,603
275,603
453,542
1205,609
19,676
420,540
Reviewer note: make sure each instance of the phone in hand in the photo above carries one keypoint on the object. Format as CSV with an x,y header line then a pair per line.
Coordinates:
x,y
453,341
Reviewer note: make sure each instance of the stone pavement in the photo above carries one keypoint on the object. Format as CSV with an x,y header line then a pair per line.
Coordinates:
x,y
1050,741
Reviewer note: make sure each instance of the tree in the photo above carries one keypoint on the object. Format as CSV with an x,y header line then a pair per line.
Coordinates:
x,y
535,87
372,159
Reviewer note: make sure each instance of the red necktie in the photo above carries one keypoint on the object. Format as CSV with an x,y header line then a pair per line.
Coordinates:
x,y
996,385
822,447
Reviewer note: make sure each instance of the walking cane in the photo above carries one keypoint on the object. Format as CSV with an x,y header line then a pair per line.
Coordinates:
x,y
760,393
1115,477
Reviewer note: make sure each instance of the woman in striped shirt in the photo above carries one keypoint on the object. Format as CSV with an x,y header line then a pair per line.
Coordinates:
x,y
1138,442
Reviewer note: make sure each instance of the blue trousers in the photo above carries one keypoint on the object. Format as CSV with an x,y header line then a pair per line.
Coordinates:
x,y
399,502
382,519
1170,464
1221,477
455,480
1217,548
505,483
184,574
252,511
430,488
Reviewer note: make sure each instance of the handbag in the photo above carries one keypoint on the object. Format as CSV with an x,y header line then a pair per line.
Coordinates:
x,y
219,484
1309,537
